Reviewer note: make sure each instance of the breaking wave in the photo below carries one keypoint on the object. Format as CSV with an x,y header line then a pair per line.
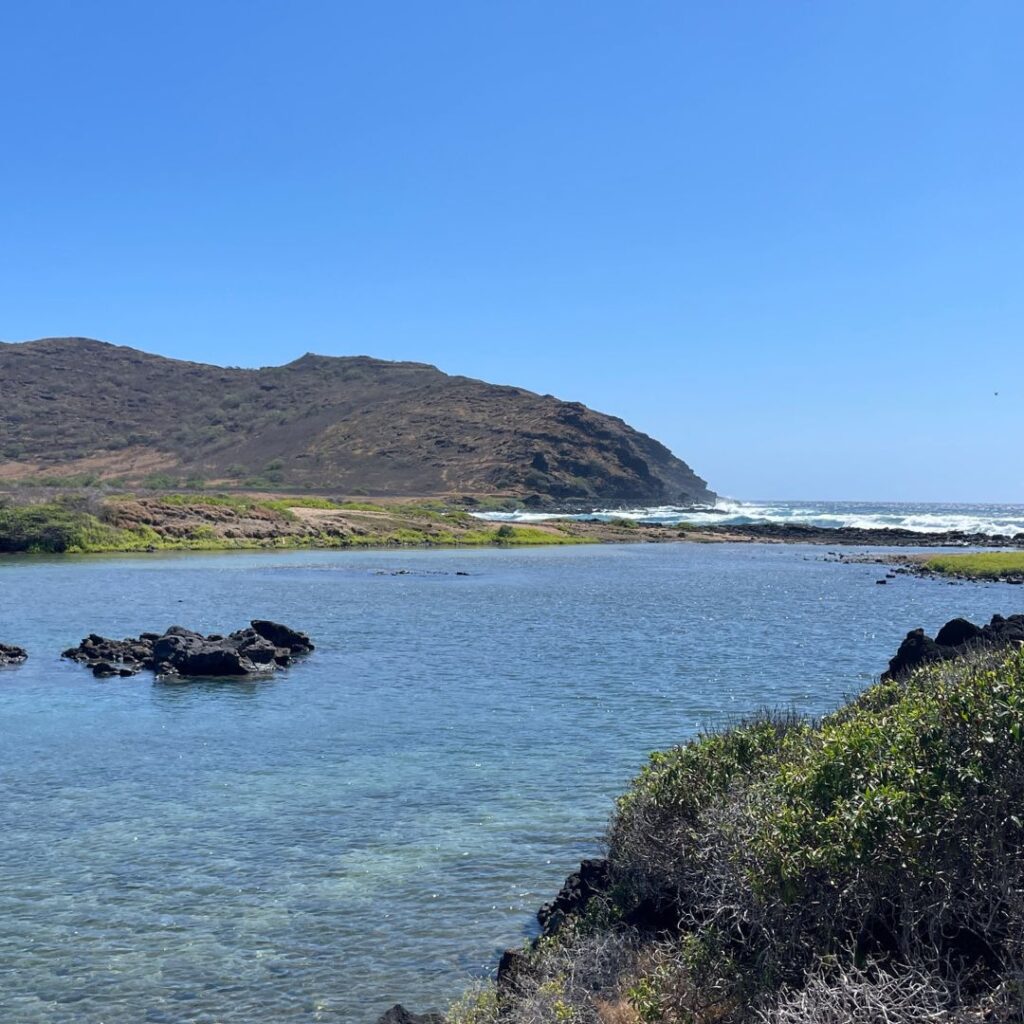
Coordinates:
x,y
993,520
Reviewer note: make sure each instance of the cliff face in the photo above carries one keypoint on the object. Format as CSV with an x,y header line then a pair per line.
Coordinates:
x,y
73,405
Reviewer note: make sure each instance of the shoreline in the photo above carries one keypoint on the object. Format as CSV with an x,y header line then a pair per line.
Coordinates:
x,y
198,522
635,904
989,567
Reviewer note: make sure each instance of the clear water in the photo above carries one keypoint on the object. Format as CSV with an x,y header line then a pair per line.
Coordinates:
x,y
376,823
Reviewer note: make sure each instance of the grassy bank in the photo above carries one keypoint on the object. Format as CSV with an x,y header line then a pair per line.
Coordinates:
x,y
865,868
188,522
992,565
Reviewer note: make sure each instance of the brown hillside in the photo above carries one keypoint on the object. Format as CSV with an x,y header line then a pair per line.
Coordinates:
x,y
347,424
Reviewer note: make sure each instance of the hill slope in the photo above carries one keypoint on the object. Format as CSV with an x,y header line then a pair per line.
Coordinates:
x,y
73,405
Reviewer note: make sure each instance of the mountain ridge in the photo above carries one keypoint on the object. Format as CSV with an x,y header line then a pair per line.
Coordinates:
x,y
341,423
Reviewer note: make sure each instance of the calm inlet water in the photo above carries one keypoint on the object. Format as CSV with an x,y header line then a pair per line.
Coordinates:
x,y
376,823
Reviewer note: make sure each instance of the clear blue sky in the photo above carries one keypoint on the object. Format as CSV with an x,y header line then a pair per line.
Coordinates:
x,y
786,238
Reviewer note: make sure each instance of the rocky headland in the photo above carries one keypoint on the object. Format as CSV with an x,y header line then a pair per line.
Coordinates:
x,y
348,425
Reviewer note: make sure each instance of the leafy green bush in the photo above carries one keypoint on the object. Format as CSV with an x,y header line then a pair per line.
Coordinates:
x,y
64,525
891,830
864,869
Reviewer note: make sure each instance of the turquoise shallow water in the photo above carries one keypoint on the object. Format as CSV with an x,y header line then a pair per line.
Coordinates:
x,y
376,823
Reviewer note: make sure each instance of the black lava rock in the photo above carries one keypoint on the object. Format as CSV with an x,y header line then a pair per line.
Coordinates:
x,y
579,889
398,1014
956,638
11,655
261,648
957,632
282,636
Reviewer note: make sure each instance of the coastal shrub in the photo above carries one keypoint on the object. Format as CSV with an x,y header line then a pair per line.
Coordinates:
x,y
532,535
225,500
65,525
477,1005
661,835
160,482
855,996
574,978
360,506
890,831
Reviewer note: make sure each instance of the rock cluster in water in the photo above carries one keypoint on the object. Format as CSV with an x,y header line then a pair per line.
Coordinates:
x,y
10,655
262,647
957,637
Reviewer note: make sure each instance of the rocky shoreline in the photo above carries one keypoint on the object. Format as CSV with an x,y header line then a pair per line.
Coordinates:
x,y
850,535
212,522
620,531
918,565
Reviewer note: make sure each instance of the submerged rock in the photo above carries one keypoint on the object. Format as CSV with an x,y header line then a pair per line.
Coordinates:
x,y
11,655
957,637
258,649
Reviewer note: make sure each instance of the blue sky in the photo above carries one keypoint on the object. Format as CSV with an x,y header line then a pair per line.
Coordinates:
x,y
785,238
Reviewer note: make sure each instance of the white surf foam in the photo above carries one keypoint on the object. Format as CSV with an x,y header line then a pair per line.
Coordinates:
x,y
992,520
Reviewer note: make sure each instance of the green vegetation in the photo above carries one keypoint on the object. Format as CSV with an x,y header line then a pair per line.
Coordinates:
x,y
65,525
240,502
72,480
81,524
533,535
490,503
868,867
983,565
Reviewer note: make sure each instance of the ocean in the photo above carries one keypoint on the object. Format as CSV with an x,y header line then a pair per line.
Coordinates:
x,y
994,520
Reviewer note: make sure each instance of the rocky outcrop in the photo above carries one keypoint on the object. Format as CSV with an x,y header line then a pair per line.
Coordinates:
x,y
262,647
579,889
592,880
10,655
956,638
